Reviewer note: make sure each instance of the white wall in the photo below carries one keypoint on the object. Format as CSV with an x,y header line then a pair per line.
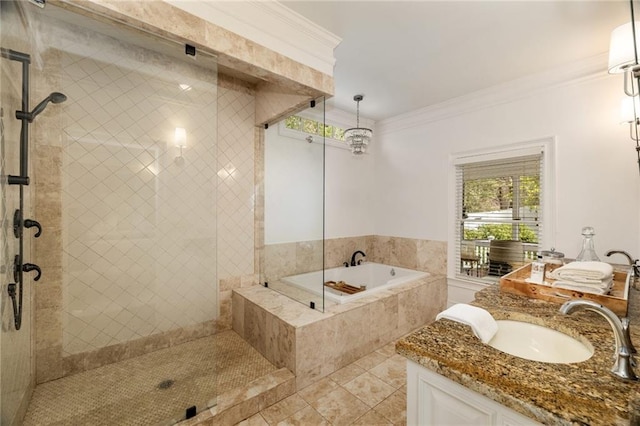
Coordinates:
x,y
349,193
597,177
293,189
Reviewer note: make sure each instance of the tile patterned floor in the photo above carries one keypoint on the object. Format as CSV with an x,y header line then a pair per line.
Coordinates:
x,y
127,392
371,391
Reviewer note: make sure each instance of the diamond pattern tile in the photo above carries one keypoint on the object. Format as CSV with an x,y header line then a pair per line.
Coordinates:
x,y
236,183
139,234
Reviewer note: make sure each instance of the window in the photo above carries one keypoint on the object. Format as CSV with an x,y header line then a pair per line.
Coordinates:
x,y
500,215
313,127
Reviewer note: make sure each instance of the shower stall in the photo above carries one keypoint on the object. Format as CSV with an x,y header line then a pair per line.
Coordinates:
x,y
140,178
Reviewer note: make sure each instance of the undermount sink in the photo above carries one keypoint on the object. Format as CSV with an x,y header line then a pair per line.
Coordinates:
x,y
538,343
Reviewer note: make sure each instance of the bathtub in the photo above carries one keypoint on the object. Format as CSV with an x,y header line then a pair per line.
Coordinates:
x,y
375,276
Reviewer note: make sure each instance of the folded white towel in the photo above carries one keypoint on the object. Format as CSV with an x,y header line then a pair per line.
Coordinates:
x,y
585,288
585,272
481,321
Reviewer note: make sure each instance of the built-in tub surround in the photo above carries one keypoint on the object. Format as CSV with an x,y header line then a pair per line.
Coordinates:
x,y
313,344
369,277
562,394
281,260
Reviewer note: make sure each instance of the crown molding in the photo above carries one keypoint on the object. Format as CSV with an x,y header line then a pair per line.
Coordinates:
x,y
272,25
577,72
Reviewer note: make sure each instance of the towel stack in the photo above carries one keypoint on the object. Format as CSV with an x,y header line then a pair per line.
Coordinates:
x,y
588,277
481,322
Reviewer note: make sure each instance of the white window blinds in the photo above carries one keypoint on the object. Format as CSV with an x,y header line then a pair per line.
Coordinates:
x,y
499,214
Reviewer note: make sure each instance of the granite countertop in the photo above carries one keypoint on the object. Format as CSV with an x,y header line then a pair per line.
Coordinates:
x,y
563,394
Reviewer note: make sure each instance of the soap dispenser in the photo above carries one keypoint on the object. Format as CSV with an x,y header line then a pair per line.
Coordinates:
x,y
588,252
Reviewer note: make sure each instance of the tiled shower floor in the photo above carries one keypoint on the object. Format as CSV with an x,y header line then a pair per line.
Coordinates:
x,y
128,392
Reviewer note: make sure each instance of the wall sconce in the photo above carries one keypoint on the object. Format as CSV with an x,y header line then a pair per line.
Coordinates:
x,y
629,110
180,140
623,59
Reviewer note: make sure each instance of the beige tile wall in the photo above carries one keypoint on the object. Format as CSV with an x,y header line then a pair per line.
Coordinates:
x,y
134,215
286,259
47,159
88,270
233,51
312,344
236,191
17,361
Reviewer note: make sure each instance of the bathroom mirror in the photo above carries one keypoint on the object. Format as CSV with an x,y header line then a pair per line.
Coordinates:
x,y
294,160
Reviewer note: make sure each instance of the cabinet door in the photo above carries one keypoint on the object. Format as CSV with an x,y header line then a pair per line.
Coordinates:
x,y
435,400
443,405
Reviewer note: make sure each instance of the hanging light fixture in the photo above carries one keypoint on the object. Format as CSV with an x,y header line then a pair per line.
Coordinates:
x,y
623,59
358,137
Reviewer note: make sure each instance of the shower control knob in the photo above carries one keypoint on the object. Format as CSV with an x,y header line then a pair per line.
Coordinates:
x,y
28,223
28,267
16,268
17,223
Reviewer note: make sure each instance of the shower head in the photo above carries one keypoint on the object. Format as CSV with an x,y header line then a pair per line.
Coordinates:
x,y
54,98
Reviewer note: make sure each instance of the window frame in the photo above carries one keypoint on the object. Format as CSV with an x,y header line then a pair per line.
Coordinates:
x,y
546,146
283,130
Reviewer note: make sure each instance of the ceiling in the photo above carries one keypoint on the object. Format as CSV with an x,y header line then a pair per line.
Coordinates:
x,y
404,55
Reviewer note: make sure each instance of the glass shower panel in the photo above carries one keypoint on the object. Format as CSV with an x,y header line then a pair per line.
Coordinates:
x,y
16,353
293,252
138,200
124,182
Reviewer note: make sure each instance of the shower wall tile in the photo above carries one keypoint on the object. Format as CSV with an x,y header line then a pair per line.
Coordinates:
x,y
274,102
134,214
237,303
258,221
224,317
94,175
235,171
234,52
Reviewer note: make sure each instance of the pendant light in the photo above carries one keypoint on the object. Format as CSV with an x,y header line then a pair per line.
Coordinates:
x,y
358,137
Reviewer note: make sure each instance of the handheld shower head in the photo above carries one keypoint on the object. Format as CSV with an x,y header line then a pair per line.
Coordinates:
x,y
54,98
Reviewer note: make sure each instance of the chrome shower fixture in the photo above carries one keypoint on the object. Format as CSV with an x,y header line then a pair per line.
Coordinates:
x,y
54,98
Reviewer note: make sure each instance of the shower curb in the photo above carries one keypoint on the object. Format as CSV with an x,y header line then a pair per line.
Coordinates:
x,y
243,402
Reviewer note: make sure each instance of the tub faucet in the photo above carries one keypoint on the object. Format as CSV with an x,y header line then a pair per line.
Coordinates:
x,y
353,258
622,367
633,263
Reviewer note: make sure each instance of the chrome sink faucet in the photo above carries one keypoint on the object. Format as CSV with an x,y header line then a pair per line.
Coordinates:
x,y
623,365
633,263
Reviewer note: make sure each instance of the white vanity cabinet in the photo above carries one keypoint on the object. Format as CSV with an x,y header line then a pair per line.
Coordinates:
x,y
435,400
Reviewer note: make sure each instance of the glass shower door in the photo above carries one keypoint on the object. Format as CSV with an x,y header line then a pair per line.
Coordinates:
x,y
124,183
293,254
